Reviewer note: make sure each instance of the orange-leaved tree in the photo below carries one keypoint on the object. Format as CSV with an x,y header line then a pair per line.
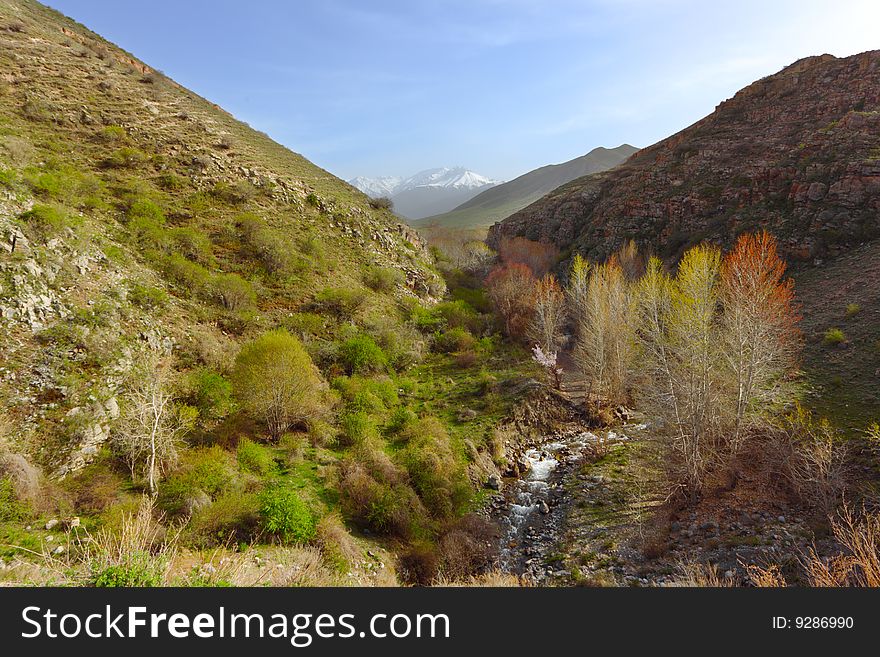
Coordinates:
x,y
759,327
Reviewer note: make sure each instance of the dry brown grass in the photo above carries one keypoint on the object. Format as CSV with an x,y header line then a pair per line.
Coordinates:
x,y
701,575
765,577
859,564
490,579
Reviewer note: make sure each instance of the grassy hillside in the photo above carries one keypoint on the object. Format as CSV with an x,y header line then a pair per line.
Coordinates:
x,y
503,200
150,242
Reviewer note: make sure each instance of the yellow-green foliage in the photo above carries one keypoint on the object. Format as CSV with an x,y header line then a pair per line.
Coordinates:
x,y
275,381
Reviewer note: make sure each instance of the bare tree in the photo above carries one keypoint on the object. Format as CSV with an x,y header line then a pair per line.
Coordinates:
x,y
151,425
578,286
604,346
760,337
681,381
549,314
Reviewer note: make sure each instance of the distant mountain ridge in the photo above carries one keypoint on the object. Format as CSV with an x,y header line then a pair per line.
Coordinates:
x,y
426,192
500,201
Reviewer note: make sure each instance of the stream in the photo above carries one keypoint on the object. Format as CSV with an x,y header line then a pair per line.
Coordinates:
x,y
532,510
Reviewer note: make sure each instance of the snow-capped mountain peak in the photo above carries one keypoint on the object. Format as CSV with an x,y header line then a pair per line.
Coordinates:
x,y
443,177
375,187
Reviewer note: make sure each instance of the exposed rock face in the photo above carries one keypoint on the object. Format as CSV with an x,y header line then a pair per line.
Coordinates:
x,y
797,153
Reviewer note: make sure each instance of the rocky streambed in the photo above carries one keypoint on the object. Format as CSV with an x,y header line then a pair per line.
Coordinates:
x,y
533,508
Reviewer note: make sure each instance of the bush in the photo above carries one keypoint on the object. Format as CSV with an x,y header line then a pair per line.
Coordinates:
x,y
367,394
385,508
381,203
138,571
210,393
125,158
338,548
193,244
321,434
255,458
10,507
382,279
190,275
425,319
853,309
147,297
286,515
454,340
401,420
342,302
834,336
209,470
361,354
232,516
275,381
459,314
358,427
112,134
305,324
434,471
43,222
233,292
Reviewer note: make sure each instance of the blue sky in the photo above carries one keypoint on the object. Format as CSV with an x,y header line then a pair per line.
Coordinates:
x,y
388,87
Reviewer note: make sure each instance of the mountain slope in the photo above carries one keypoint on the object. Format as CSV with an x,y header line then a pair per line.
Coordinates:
x,y
507,198
797,152
136,215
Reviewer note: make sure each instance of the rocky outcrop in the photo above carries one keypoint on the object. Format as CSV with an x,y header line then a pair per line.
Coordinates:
x,y
797,153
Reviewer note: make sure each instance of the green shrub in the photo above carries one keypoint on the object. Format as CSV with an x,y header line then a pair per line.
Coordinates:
x,y
459,314
146,223
125,158
7,178
342,302
454,340
112,133
367,394
204,473
358,427
286,515
401,420
361,355
193,244
383,507
305,324
233,292
322,434
255,458
171,182
834,336
425,319
210,393
43,222
190,275
313,200
276,382
233,516
434,471
382,279
476,298
853,309
139,570
147,297
270,247
10,507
